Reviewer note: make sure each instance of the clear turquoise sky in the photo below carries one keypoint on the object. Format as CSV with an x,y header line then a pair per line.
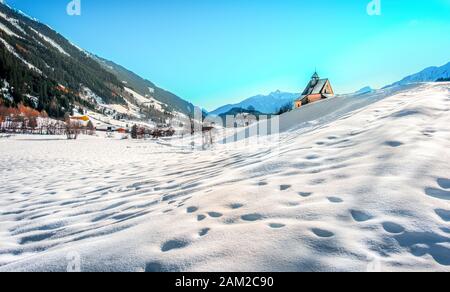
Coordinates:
x,y
214,52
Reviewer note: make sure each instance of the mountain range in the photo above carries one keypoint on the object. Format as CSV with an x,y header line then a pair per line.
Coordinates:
x,y
268,104
42,69
430,74
271,103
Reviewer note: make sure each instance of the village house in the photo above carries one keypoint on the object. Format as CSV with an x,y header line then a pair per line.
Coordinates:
x,y
80,118
316,90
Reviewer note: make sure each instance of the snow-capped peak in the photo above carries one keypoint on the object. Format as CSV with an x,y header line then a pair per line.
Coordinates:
x,y
429,74
364,90
268,104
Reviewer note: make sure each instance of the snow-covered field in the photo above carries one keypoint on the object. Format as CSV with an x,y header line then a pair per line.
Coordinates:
x,y
367,191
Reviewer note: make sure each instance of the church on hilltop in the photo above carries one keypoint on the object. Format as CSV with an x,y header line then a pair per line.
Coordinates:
x,y
316,90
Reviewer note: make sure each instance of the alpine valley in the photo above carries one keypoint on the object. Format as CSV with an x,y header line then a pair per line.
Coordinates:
x,y
41,69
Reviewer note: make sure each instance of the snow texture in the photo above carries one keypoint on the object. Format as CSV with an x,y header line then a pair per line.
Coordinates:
x,y
145,100
365,188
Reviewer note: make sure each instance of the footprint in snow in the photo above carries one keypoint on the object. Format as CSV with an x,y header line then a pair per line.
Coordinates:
x,y
444,214
444,183
285,187
276,225
335,200
427,242
192,209
252,217
393,144
393,228
174,244
155,267
235,206
201,217
204,232
158,267
215,214
438,193
360,216
322,233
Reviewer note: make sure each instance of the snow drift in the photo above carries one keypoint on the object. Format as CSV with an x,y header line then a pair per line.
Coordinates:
x,y
366,190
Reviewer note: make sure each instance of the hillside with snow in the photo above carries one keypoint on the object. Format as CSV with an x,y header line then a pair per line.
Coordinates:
x,y
354,183
271,103
429,74
38,62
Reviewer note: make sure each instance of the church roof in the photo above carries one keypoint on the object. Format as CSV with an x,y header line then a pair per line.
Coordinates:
x,y
315,89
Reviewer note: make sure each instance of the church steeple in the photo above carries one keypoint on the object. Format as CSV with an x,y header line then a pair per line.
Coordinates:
x,y
315,78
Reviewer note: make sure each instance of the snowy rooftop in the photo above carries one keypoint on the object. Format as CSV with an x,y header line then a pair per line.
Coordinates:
x,y
314,89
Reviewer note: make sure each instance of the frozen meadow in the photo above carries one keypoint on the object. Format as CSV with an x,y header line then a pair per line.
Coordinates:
x,y
354,183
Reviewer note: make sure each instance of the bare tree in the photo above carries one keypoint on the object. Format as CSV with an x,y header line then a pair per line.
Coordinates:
x,y
90,128
72,128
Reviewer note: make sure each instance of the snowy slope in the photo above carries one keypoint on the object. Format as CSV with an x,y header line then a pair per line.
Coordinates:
x,y
7,30
50,42
43,50
272,103
146,100
366,191
13,22
318,114
15,54
365,90
430,74
267,104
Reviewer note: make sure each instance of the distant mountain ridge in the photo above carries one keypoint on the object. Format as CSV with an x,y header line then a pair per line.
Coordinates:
x,y
430,74
364,90
269,104
240,111
274,101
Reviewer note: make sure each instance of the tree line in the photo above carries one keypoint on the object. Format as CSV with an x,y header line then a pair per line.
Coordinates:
x,y
26,120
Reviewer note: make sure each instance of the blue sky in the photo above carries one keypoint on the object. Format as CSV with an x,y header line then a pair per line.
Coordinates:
x,y
214,52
